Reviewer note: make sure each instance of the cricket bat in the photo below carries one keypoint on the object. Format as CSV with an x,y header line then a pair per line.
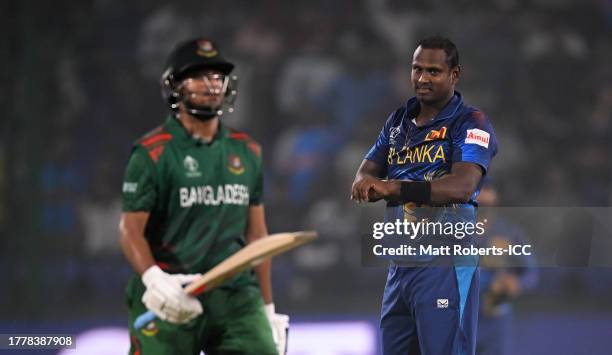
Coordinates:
x,y
247,257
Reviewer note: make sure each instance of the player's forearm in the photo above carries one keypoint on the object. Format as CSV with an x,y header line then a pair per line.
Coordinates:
x,y
138,253
134,246
369,168
256,229
456,187
263,273
449,189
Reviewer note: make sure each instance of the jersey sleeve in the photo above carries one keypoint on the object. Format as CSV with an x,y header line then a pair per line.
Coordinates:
x,y
139,192
379,151
474,141
256,196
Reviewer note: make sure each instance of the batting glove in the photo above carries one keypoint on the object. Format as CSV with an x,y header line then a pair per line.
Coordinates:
x,y
166,298
280,328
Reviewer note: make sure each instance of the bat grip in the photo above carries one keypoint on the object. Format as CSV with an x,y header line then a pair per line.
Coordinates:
x,y
143,319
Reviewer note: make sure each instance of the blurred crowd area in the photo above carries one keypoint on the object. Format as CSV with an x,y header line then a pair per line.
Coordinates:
x,y
317,79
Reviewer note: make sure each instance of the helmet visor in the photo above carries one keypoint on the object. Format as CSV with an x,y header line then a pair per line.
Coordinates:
x,y
204,89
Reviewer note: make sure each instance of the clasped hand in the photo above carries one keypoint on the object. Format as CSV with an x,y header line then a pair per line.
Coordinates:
x,y
370,189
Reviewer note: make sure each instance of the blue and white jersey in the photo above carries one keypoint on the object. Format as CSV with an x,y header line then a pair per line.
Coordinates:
x,y
459,133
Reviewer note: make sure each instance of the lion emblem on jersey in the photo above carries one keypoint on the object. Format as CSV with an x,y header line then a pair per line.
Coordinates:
x,y
234,165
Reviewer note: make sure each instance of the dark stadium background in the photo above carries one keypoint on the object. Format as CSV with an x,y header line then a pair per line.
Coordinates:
x,y
317,80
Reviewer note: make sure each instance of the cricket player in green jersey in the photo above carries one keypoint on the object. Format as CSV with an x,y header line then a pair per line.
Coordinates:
x,y
192,196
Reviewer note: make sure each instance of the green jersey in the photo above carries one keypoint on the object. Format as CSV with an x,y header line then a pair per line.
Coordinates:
x,y
198,194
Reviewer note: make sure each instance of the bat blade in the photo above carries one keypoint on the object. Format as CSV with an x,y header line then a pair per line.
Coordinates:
x,y
245,258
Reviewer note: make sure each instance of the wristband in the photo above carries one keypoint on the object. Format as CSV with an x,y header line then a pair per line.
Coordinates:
x,y
415,191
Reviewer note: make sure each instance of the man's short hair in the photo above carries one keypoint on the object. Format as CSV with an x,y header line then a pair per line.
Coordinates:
x,y
439,42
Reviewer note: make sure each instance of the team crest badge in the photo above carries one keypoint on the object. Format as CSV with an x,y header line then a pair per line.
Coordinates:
x,y
234,165
433,135
206,49
150,329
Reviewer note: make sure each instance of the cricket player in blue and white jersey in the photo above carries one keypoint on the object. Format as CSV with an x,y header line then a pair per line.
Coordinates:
x,y
433,151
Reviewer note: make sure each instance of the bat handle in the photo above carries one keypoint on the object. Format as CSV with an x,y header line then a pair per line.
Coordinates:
x,y
143,319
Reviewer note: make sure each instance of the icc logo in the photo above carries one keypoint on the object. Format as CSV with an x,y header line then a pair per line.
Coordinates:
x,y
192,166
393,133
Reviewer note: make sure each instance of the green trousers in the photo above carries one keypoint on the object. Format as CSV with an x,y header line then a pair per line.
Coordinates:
x,y
233,322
